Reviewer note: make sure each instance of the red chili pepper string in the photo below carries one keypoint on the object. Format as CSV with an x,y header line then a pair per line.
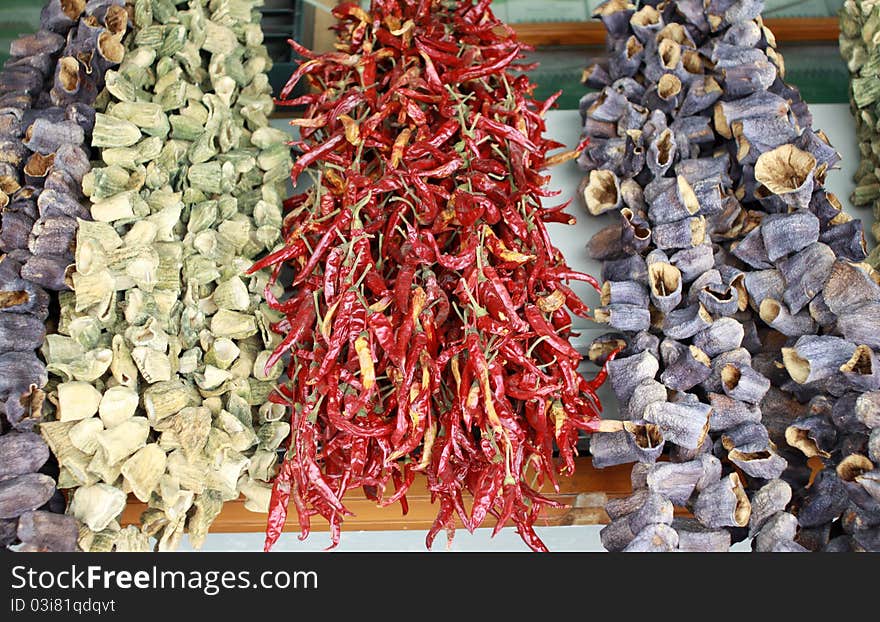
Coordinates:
x,y
427,324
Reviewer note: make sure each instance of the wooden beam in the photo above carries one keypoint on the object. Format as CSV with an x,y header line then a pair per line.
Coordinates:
x,y
787,30
806,29
583,494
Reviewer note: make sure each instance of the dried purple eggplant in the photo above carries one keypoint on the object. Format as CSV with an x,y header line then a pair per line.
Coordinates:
x,y
867,409
635,235
45,137
692,262
625,373
758,461
595,76
617,507
46,531
20,332
60,15
41,42
851,472
788,233
862,370
655,510
631,268
624,317
24,493
743,435
47,270
675,481
616,535
723,335
751,250
825,500
777,316
665,285
695,538
858,325
654,538
787,172
602,347
23,452
645,392
686,322
623,447
762,320
723,504
602,192
687,368
684,424
626,59
685,233
606,244
743,383
19,370
815,357
847,239
777,534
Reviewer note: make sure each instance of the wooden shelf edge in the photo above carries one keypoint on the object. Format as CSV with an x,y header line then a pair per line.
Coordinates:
x,y
584,495
786,29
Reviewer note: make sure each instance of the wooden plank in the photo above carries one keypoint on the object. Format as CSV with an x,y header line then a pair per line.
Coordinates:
x,y
796,29
787,30
584,494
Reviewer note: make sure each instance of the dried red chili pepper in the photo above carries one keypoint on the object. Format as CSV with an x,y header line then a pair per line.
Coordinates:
x,y
429,327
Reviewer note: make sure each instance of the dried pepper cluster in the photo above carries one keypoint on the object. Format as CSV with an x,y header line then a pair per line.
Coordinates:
x,y
428,322
736,279
859,20
49,87
161,347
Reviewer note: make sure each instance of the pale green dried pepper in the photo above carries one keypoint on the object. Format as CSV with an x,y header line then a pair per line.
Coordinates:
x,y
165,337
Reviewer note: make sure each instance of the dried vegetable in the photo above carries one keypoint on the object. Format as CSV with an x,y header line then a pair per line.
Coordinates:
x,y
859,20
428,324
49,87
738,289
161,348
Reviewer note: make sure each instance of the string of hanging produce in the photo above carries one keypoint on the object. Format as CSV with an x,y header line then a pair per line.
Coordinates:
x,y
428,321
737,286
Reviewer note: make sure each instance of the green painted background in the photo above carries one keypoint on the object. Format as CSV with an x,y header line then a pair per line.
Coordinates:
x,y
816,69
17,17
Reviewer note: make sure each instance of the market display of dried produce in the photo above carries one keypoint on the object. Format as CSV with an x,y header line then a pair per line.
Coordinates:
x,y
428,327
160,381
738,289
174,332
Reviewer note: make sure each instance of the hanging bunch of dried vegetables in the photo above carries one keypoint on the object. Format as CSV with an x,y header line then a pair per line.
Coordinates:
x,y
732,273
50,86
428,325
162,345
858,46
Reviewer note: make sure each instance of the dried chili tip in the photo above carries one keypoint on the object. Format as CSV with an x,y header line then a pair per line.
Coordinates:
x,y
365,361
566,156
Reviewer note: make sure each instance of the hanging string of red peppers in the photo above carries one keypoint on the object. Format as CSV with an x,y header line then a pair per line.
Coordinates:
x,y
428,324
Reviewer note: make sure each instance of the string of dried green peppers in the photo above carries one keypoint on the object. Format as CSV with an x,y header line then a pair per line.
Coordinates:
x,y
428,324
